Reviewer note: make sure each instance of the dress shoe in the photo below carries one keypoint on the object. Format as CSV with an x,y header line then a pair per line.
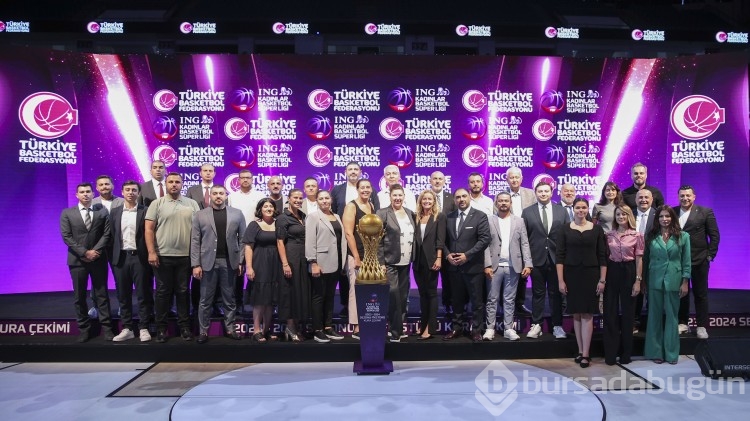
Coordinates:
x,y
83,336
109,335
202,338
161,337
522,310
453,334
624,361
186,334
476,336
425,338
233,335
124,335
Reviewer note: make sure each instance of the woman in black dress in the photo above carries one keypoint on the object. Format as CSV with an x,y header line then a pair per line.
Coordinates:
x,y
294,289
430,239
263,267
581,273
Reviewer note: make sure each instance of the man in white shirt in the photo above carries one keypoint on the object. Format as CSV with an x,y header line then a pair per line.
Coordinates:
x,y
478,200
310,204
393,176
106,199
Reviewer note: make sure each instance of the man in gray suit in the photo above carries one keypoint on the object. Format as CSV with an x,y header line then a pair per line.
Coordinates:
x,y
507,259
216,259
86,233
521,198
201,193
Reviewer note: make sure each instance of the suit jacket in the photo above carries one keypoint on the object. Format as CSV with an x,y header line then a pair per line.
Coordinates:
x,y
425,252
472,240
79,239
97,204
528,197
203,238
629,194
148,194
196,193
518,251
115,245
542,244
449,205
389,251
338,199
649,220
704,234
320,243
666,264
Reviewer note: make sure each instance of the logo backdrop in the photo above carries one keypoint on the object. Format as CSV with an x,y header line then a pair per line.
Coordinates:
x,y
69,117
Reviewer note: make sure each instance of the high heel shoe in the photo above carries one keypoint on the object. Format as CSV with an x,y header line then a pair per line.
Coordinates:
x,y
292,336
585,362
578,358
258,337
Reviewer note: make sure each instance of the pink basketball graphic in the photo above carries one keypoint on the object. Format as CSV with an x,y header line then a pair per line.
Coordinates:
x,y
186,27
721,36
232,183
319,156
47,115
391,128
2,26
550,32
165,100
473,101
637,34
243,99
93,27
462,30
552,101
696,117
474,156
474,128
236,128
319,100
319,127
554,157
279,28
243,157
165,154
371,29
165,128
543,129
547,179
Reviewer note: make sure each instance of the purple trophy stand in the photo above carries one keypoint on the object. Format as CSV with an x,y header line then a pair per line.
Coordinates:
x,y
372,312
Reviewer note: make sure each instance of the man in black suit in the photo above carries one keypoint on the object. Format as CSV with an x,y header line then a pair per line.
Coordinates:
x,y
154,188
644,220
130,263
201,192
340,196
467,236
86,233
639,174
700,223
544,220
447,205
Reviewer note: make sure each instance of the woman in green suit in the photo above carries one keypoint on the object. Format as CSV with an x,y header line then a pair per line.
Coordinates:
x,y
667,257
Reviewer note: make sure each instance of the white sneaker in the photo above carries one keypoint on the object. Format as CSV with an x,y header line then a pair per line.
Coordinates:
x,y
535,331
681,328
701,333
124,335
511,334
145,336
489,335
559,332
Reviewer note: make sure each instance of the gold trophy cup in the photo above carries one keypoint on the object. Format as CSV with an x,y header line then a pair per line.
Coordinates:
x,y
370,229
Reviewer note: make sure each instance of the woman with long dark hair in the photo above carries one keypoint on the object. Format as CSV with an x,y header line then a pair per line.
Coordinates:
x,y
667,262
604,211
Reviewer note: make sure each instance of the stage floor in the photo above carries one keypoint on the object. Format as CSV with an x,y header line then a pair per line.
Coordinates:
x,y
417,390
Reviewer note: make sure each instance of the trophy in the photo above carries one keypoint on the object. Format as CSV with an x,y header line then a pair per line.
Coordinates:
x,y
370,229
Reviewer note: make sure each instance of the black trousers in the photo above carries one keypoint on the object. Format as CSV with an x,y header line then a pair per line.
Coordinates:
x,y
131,272
471,286
446,285
97,271
544,282
427,281
699,287
521,292
172,277
618,329
323,294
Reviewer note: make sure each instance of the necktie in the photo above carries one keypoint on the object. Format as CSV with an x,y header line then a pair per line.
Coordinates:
x,y
545,222
161,190
642,225
206,200
87,219
570,212
460,223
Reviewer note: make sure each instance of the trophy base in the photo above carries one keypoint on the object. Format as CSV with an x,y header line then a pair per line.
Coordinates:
x,y
385,368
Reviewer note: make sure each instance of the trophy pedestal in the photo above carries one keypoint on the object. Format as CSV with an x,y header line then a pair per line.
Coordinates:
x,y
372,311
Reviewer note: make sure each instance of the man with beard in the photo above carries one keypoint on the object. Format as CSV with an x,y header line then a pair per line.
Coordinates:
x,y
639,174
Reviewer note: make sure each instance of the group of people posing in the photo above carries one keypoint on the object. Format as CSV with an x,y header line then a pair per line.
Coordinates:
x,y
293,251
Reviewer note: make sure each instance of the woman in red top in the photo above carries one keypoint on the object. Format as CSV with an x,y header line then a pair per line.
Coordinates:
x,y
624,269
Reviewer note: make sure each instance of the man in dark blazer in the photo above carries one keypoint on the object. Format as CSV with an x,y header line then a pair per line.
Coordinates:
x,y
86,233
700,223
390,255
544,220
521,198
216,258
447,205
340,196
639,175
645,215
154,188
130,264
467,236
